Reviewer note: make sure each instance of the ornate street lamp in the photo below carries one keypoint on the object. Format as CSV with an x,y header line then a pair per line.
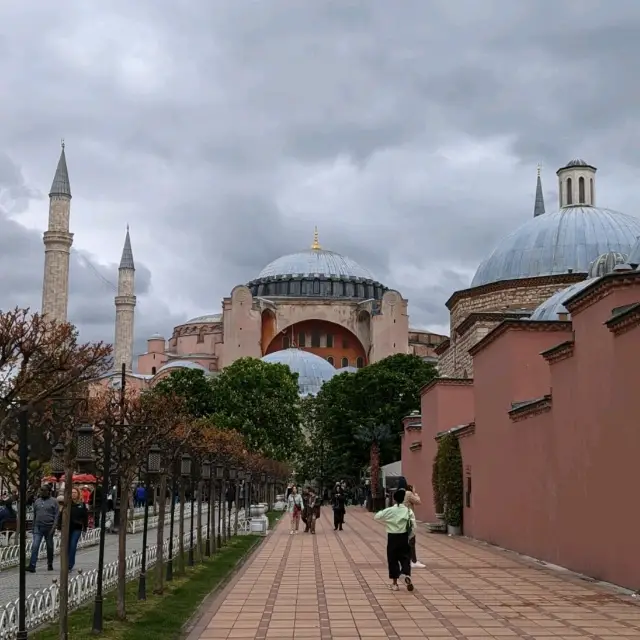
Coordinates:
x,y
205,473
57,461
219,469
154,466
84,447
185,472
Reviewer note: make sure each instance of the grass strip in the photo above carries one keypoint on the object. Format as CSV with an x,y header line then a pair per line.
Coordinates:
x,y
159,617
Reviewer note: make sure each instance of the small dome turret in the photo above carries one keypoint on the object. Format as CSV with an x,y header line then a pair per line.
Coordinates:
x,y
606,263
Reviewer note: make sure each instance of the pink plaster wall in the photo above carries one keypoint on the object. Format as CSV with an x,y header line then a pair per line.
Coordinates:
x,y
557,485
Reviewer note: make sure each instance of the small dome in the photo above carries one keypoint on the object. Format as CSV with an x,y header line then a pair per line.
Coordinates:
x,y
347,370
315,262
566,241
313,371
606,263
212,317
156,336
553,308
576,162
181,364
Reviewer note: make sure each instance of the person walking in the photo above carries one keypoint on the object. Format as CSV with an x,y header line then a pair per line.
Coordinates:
x,y
313,505
45,518
411,499
79,524
338,508
294,508
399,521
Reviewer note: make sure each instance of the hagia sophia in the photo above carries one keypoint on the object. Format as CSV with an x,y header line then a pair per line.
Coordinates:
x,y
317,311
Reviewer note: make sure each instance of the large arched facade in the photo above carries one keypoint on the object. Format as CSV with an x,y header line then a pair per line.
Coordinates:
x,y
329,340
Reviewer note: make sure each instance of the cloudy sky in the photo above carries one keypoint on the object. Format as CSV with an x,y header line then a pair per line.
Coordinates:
x,y
222,131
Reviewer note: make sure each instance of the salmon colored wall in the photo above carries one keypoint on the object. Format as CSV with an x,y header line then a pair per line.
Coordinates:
x,y
341,336
268,329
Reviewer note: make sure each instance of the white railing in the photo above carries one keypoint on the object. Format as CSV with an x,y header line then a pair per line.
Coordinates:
x,y
42,606
10,554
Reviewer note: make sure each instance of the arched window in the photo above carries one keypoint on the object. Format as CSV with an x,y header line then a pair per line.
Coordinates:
x,y
153,371
201,334
286,342
592,201
581,193
329,340
330,360
360,362
315,339
569,191
345,362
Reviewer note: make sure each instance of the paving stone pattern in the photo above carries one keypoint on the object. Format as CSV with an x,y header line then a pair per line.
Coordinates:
x,y
333,585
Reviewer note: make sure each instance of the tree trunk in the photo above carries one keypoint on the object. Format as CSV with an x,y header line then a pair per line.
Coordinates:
x,y
199,522
162,506
181,531
64,553
122,549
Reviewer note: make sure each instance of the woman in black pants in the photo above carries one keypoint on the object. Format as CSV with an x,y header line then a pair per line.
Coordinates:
x,y
338,509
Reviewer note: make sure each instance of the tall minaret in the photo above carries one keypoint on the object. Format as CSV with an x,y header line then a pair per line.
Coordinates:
x,y
125,308
538,207
57,246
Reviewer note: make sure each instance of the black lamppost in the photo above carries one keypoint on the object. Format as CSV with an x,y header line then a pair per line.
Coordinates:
x,y
154,465
172,518
239,478
220,477
232,478
263,483
247,487
185,472
205,473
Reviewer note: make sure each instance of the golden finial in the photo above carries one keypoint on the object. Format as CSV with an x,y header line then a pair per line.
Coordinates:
x,y
539,169
316,243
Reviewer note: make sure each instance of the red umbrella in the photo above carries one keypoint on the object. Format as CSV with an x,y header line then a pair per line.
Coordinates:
x,y
78,478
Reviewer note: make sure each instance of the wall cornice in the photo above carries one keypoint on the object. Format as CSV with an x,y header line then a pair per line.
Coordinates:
x,y
518,325
446,382
488,316
518,283
530,408
625,320
560,352
599,289
461,431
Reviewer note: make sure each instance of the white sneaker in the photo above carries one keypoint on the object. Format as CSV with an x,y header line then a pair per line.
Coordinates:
x,y
417,565
291,532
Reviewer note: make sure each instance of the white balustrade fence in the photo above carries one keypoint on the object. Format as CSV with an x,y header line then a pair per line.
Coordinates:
x,y
10,554
42,606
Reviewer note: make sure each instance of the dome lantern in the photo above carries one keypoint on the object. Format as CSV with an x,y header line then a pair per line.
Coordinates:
x,y
577,184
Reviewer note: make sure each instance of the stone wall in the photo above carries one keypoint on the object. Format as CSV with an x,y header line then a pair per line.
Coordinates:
x,y
514,295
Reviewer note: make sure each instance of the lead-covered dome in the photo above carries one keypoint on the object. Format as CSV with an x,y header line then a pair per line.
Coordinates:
x,y
316,272
313,371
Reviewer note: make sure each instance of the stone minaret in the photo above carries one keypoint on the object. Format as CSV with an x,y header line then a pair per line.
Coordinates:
x,y
57,246
125,308
538,207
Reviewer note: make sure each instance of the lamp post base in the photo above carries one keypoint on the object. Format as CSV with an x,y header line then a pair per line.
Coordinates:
x,y
142,586
97,615
207,548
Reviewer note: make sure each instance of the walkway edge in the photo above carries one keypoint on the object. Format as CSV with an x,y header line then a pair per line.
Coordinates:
x,y
206,610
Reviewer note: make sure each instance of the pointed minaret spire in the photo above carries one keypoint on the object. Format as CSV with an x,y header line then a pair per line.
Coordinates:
x,y
316,242
126,262
538,207
57,246
125,308
60,185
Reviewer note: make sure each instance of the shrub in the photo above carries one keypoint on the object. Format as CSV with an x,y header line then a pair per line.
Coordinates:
x,y
450,479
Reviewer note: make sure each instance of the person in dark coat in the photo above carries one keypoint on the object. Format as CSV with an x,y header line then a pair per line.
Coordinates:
x,y
338,508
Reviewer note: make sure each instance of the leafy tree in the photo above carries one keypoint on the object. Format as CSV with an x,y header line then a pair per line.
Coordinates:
x,y
193,386
311,459
374,436
450,479
377,397
260,401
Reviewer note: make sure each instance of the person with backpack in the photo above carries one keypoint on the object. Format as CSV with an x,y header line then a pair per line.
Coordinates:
x,y
400,522
411,499
294,507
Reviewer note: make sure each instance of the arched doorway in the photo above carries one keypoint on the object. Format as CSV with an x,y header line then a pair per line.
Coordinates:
x,y
330,341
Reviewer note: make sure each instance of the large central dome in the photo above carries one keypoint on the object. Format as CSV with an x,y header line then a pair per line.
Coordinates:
x,y
316,272
315,262
566,241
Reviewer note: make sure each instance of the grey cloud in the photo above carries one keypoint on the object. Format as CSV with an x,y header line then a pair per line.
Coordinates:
x,y
197,125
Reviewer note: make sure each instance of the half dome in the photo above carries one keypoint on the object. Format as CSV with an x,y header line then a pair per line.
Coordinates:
x,y
210,317
313,371
566,241
181,364
553,309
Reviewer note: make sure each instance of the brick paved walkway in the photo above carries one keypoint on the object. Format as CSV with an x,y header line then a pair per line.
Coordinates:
x,y
333,586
